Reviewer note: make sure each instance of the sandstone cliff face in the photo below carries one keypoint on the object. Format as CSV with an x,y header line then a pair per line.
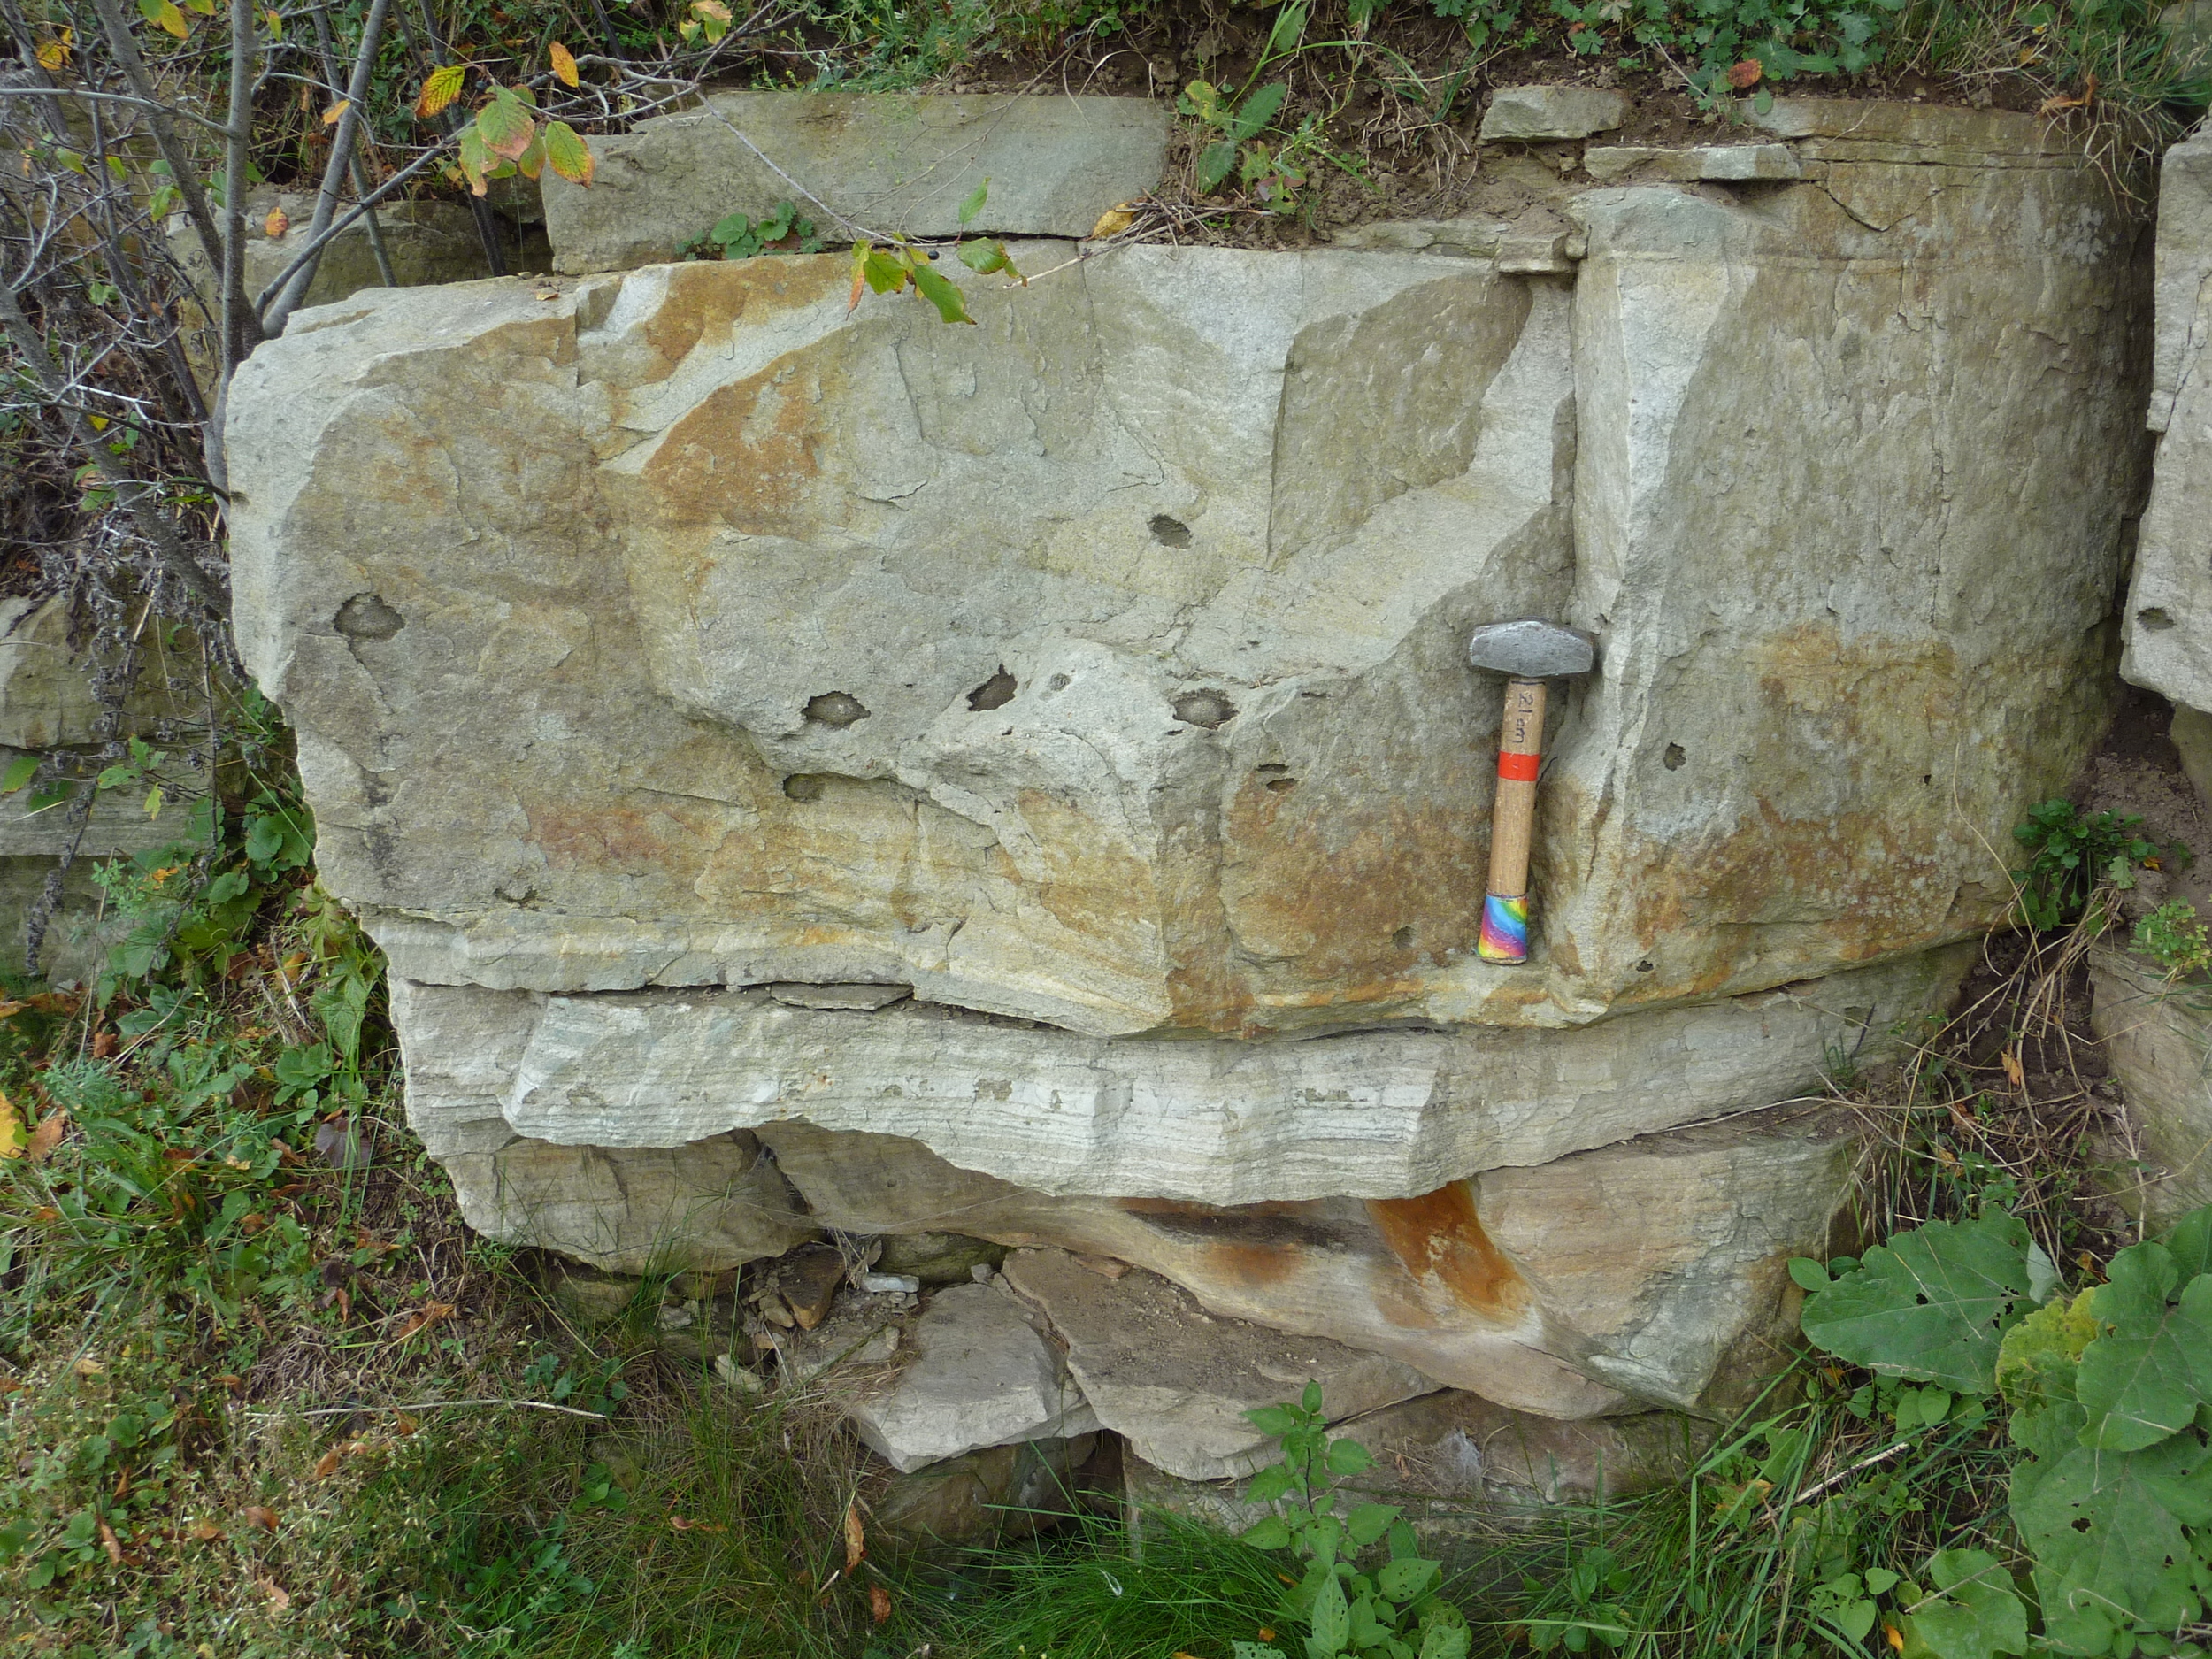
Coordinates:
x,y
1089,684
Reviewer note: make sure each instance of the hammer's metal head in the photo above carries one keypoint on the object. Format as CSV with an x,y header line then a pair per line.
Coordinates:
x,y
1532,648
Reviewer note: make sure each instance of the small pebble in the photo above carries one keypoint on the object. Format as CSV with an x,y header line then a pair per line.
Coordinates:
x,y
746,1382
896,1282
982,1272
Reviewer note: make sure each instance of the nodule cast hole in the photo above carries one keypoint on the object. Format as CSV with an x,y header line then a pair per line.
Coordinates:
x,y
994,692
1208,707
835,709
1170,531
2155,618
366,616
1402,939
1674,757
803,786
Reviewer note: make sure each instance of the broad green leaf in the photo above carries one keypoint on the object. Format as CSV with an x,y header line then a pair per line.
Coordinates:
x,y
567,154
1330,1619
1369,1522
442,86
1932,1305
1290,27
886,271
2150,1369
1310,1399
475,158
1272,1534
1445,1641
505,123
1979,1614
21,770
1214,165
1270,1484
1403,1581
973,206
1808,1274
2105,1528
1253,1650
1856,1619
951,304
1257,110
1879,1580
1272,1421
1350,1458
2189,1242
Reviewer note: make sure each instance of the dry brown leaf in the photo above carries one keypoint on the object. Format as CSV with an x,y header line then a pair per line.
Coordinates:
x,y
279,1598
1114,220
47,1136
878,1602
206,1532
423,1318
277,223
2058,103
1745,75
683,1524
88,1366
327,1465
10,1130
10,1007
108,1543
402,1423
104,1045
856,1539
2014,1074
259,1515
331,115
46,1212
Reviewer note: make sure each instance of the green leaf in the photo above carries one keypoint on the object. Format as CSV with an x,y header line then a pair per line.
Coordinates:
x,y
1350,1458
1272,1534
1215,163
1270,1484
1445,1641
505,124
1980,1614
21,770
163,14
2189,1243
1369,1522
567,154
940,291
973,206
442,86
1403,1581
1310,1399
1330,1619
2106,1530
1879,1580
1272,1421
1808,1274
2147,1375
1933,1305
1257,112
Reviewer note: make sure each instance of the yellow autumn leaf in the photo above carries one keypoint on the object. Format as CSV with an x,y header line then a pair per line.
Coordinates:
x,y
277,223
564,63
1113,221
331,115
54,55
10,1130
163,14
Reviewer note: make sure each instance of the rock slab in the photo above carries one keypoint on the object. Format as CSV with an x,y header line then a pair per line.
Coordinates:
x,y
1525,114
981,1375
2157,1039
903,164
1175,1382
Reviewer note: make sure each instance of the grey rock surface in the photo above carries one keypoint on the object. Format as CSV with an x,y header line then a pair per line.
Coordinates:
x,y
2169,616
2157,1039
1525,114
1210,1120
1720,162
901,164
1175,1381
981,1375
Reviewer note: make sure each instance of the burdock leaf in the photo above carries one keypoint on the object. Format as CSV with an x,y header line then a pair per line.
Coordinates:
x,y
1932,1305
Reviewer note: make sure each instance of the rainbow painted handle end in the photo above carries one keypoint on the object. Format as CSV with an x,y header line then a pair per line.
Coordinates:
x,y
1504,928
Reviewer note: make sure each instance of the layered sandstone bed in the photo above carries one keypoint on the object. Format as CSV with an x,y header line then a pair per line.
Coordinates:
x,y
817,773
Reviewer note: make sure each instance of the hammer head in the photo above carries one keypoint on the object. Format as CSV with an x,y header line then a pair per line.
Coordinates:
x,y
1532,648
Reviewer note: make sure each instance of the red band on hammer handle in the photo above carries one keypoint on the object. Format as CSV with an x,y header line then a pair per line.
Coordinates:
x,y
1520,735
1519,768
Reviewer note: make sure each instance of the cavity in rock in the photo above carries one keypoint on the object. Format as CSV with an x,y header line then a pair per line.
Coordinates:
x,y
1208,707
366,616
803,786
1170,531
994,692
835,709
1674,757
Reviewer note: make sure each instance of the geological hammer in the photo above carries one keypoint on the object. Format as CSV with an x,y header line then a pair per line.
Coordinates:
x,y
1529,652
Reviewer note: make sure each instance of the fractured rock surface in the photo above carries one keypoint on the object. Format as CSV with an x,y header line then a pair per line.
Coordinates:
x,y
2157,1039
981,1375
1175,1382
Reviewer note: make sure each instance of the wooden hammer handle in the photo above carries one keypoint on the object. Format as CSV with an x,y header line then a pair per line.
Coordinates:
x,y
1520,741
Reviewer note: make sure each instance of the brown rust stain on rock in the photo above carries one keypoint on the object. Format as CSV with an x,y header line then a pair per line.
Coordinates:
x,y
715,298
1438,1239
1248,1247
745,456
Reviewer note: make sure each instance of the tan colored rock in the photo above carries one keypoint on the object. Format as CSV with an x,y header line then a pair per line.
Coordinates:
x,y
2157,1039
713,1203
1175,1382
1916,133
1650,1270
1717,163
897,163
980,1498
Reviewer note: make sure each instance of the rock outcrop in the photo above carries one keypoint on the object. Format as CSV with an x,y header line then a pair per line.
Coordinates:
x,y
1027,777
